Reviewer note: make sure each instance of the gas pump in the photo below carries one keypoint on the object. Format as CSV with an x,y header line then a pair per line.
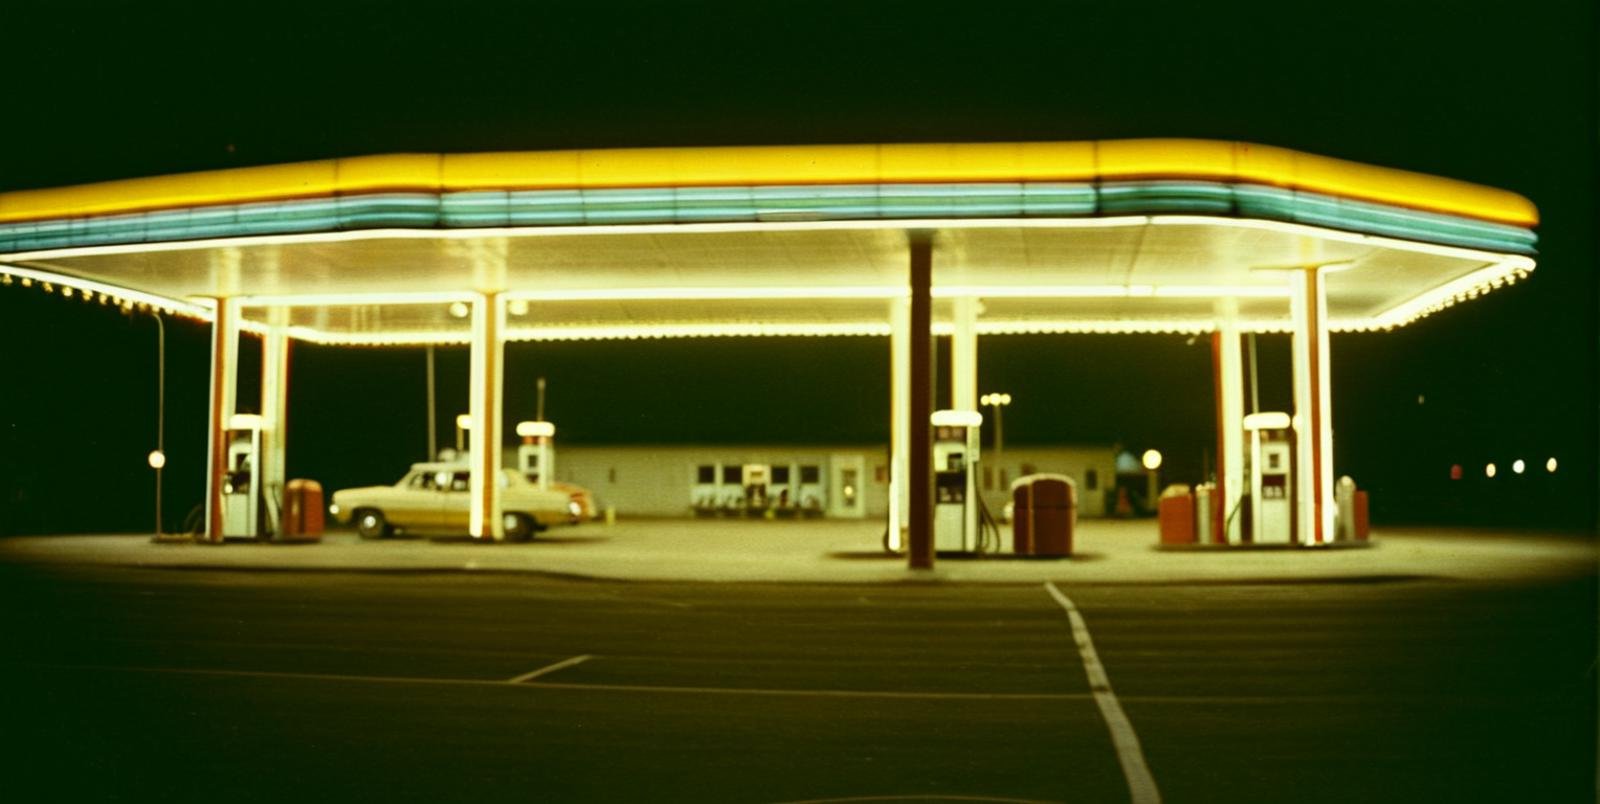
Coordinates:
x,y
536,455
755,478
241,487
1271,478
955,455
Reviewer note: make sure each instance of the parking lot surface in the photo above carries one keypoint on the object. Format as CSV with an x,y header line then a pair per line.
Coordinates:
x,y
139,684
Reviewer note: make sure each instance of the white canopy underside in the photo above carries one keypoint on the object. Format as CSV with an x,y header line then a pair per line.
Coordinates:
x,y
1163,273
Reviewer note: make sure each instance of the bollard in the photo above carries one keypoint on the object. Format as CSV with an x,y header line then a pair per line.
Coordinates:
x,y
1344,496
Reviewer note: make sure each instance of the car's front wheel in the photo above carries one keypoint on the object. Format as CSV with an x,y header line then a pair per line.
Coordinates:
x,y
518,527
371,524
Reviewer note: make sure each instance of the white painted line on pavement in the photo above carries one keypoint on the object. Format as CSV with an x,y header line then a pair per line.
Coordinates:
x,y
549,669
918,696
1141,785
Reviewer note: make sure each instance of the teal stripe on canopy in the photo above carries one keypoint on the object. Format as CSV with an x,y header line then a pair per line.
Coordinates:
x,y
668,205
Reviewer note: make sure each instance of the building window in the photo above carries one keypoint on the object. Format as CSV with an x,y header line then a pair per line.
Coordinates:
x,y
810,474
1091,480
733,475
706,473
780,475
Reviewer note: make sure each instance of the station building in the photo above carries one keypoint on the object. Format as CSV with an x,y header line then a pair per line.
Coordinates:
x,y
847,481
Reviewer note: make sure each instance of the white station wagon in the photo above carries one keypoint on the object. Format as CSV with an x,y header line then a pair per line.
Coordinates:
x,y
432,499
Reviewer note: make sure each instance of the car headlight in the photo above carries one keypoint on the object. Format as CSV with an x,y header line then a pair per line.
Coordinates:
x,y
334,509
574,508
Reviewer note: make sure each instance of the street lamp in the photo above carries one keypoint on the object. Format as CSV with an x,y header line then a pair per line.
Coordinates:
x,y
1151,461
998,402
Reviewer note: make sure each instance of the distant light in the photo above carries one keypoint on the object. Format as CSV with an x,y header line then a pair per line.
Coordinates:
x,y
1517,466
1489,470
1151,459
1455,471
157,459
463,422
994,399
1550,465
535,429
518,306
459,309
1421,399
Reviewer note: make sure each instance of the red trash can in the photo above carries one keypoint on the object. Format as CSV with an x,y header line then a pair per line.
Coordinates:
x,y
1175,511
302,510
1363,525
1044,510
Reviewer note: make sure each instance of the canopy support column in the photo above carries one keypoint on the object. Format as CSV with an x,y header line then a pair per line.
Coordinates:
x,y
488,349
1228,368
1313,411
964,387
919,427
275,414
899,406
224,376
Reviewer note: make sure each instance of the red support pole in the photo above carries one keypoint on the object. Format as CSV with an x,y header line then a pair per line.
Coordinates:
x,y
919,428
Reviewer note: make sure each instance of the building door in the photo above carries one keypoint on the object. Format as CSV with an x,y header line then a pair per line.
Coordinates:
x,y
845,492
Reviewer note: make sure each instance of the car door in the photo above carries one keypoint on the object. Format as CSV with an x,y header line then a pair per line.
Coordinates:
x,y
413,502
455,502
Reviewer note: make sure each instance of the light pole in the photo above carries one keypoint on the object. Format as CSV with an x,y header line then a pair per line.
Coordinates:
x,y
998,402
463,424
158,458
433,421
1151,460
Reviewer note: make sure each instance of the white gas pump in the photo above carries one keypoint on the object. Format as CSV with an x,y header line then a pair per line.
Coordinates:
x,y
955,457
536,455
241,483
1271,478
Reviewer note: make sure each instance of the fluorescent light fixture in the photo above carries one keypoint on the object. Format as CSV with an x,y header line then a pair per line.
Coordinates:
x,y
1272,420
956,418
353,299
710,293
123,296
876,224
1307,230
536,429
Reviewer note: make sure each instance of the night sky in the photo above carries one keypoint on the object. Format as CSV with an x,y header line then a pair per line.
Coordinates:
x,y
1497,93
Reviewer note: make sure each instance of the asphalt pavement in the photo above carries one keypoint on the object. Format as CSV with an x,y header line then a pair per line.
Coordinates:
x,y
188,685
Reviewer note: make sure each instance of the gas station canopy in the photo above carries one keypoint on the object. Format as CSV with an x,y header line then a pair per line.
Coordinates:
x,y
1109,236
